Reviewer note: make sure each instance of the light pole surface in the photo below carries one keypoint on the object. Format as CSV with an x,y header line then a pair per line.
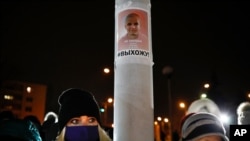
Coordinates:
x,y
133,79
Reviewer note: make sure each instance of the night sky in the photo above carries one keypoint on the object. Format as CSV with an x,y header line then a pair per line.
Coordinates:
x,y
67,43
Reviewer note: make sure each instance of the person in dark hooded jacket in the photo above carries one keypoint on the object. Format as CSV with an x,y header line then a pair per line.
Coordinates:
x,y
18,130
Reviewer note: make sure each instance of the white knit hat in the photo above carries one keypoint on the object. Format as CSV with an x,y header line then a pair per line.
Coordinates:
x,y
202,124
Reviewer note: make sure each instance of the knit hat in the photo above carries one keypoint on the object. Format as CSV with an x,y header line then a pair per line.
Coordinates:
x,y
243,113
204,105
74,103
200,125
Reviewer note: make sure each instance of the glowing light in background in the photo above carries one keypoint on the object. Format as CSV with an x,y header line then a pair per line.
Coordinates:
x,y
203,95
28,89
206,85
224,118
106,70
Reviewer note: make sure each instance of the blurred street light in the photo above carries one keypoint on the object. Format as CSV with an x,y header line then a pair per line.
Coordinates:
x,y
162,129
166,120
225,118
107,103
105,111
159,118
206,85
110,100
203,90
203,95
157,132
106,70
28,89
182,105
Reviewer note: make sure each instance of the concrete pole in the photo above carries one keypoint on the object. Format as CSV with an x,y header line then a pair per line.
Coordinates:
x,y
168,70
133,81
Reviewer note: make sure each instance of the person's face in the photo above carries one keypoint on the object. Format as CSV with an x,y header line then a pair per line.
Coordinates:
x,y
209,138
82,121
132,25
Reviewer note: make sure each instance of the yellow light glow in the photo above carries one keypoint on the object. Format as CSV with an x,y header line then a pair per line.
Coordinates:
x,y
28,89
106,70
166,120
8,97
206,85
182,105
110,100
159,118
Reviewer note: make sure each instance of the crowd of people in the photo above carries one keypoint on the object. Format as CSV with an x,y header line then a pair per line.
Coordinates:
x,y
79,120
